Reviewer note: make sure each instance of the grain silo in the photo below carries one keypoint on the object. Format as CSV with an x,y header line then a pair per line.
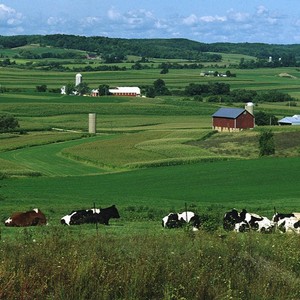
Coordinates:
x,y
249,107
92,123
78,79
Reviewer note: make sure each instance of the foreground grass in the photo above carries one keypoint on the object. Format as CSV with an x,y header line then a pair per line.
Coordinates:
x,y
55,263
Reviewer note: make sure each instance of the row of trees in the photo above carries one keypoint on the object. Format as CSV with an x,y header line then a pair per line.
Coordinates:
x,y
27,54
286,60
113,48
220,92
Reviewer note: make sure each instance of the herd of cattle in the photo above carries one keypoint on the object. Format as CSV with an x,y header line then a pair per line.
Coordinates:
x,y
232,221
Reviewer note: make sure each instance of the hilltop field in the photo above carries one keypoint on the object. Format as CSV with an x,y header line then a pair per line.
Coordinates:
x,y
149,156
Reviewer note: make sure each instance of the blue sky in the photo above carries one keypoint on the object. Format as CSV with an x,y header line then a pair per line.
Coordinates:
x,y
266,21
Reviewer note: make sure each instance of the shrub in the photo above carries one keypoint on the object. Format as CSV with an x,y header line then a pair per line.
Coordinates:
x,y
8,123
266,143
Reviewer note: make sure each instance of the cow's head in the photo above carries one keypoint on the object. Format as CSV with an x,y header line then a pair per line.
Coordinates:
x,y
230,219
8,222
172,221
113,212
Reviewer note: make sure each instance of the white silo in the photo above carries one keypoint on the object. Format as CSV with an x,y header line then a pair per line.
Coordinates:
x,y
92,123
249,107
78,79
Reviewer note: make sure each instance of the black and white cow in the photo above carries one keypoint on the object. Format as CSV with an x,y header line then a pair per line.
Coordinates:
x,y
279,216
231,218
289,224
101,216
177,220
244,221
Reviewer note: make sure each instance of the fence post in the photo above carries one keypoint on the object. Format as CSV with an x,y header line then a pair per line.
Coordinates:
x,y
96,219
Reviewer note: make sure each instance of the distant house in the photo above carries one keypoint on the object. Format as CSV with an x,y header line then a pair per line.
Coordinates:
x,y
95,92
232,119
126,91
294,120
63,90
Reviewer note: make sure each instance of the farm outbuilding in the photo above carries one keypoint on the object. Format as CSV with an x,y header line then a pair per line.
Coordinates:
x,y
294,120
232,119
126,91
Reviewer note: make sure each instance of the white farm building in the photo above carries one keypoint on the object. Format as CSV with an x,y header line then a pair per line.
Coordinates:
x,y
294,120
126,91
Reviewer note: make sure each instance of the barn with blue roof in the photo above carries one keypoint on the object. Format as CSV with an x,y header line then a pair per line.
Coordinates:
x,y
232,119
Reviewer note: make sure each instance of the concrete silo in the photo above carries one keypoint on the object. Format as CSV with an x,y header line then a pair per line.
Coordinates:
x,y
249,107
92,123
78,79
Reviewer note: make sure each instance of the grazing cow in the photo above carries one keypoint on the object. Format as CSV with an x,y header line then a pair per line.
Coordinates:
x,y
177,220
231,218
264,225
102,216
279,216
244,221
29,218
241,227
290,224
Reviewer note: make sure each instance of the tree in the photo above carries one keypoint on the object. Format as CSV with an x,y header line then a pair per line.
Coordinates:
x,y
70,87
150,92
266,143
82,88
262,118
160,87
41,88
164,71
8,123
103,90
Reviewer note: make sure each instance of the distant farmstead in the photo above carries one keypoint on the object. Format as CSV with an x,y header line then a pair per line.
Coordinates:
x,y
126,91
232,119
294,120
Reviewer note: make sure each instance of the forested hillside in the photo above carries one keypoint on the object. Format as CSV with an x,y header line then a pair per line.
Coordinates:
x,y
158,48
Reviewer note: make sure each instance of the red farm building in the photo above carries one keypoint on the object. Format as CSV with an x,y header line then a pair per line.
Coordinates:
x,y
232,119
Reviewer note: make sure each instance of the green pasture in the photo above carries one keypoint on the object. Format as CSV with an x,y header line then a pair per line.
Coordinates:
x,y
257,185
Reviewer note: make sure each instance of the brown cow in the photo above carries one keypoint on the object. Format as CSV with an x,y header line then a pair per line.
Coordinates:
x,y
30,218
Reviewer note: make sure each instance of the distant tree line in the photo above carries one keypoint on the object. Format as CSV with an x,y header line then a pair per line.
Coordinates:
x,y
286,60
51,54
113,49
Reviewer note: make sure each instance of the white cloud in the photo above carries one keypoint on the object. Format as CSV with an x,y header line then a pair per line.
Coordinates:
x,y
55,21
90,21
212,19
238,16
261,10
190,20
9,16
113,14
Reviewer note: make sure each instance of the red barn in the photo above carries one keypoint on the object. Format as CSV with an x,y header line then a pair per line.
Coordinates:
x,y
232,119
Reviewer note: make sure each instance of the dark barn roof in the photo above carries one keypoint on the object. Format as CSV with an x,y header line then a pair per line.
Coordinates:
x,y
230,113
